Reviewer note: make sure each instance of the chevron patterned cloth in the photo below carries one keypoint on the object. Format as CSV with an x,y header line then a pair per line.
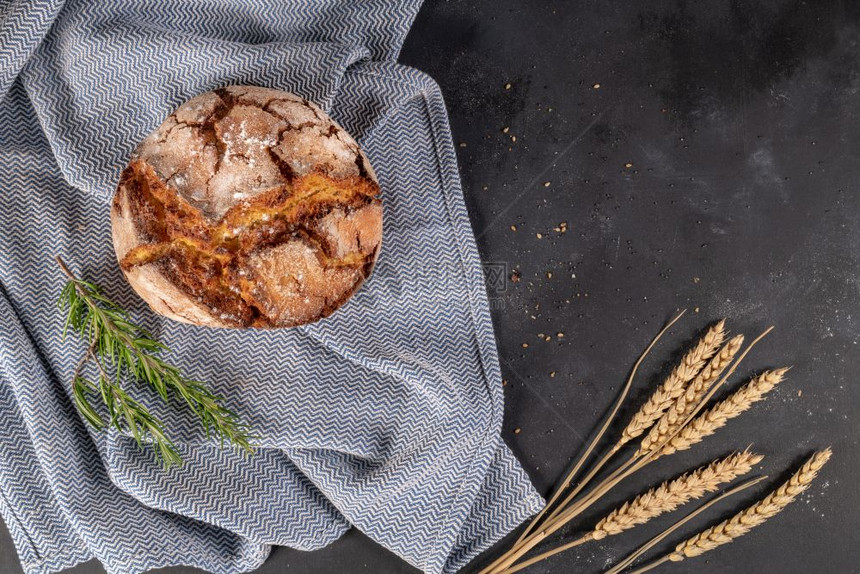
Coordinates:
x,y
385,416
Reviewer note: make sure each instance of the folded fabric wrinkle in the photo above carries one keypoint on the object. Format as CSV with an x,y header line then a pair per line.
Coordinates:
x,y
384,416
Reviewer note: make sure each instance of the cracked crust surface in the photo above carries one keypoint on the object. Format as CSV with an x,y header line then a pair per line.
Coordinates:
x,y
247,207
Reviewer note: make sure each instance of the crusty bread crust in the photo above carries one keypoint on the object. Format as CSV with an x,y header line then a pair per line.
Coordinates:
x,y
248,207
153,287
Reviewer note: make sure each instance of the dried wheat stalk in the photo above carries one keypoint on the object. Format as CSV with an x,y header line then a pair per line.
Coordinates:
x,y
737,525
744,521
548,508
621,566
662,499
713,378
741,400
674,385
672,494
684,405
677,409
567,510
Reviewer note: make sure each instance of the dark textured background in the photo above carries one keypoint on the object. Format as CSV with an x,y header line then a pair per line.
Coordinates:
x,y
740,120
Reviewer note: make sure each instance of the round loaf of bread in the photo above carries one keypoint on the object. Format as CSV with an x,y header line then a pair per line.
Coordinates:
x,y
247,207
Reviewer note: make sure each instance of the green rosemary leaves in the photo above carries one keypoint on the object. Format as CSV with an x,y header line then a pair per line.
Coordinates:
x,y
121,351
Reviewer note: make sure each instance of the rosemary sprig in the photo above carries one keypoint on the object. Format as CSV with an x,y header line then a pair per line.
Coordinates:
x,y
131,351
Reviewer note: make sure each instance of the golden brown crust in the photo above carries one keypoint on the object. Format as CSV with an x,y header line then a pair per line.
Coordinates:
x,y
248,207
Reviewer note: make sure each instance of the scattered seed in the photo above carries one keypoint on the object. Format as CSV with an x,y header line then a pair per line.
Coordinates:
x,y
696,279
518,430
547,183
514,139
552,374
560,335
507,86
504,382
549,274
628,165
547,338
505,130
539,235
513,227
596,86
462,144
525,345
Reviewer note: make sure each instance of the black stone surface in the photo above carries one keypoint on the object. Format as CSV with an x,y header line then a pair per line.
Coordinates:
x,y
739,122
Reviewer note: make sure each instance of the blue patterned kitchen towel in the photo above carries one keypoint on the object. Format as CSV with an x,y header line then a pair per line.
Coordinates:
x,y
385,416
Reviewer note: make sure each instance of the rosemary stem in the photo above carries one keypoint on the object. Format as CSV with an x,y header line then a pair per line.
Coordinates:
x,y
115,343
65,269
83,360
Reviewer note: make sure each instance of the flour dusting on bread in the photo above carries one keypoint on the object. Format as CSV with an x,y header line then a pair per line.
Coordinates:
x,y
247,207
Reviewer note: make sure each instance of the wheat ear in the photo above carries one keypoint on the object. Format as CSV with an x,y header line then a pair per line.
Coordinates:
x,y
638,461
741,400
673,493
574,472
684,405
674,385
708,378
744,521
672,388
662,499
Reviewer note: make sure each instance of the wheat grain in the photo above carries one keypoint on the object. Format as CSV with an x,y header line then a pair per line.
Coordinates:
x,y
687,402
664,498
709,422
744,521
674,385
622,566
671,494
